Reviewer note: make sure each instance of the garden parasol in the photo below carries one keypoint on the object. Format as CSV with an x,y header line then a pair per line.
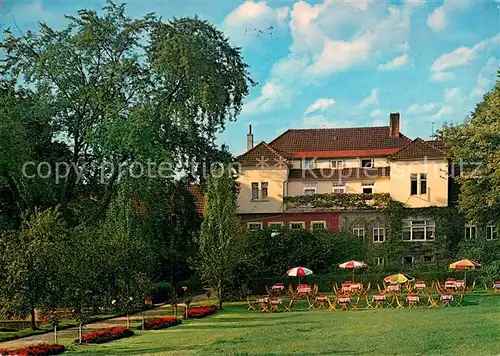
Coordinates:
x,y
299,272
352,265
398,278
464,265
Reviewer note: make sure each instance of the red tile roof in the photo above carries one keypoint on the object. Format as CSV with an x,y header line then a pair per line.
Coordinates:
x,y
418,149
264,155
339,140
199,198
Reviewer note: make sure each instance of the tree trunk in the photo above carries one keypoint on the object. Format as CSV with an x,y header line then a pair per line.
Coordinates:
x,y
143,320
55,334
80,333
33,320
220,298
128,321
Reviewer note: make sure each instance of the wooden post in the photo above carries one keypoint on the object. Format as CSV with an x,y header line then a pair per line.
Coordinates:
x,y
80,333
55,334
143,320
128,321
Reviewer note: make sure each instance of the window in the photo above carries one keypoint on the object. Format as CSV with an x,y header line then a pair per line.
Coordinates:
x,y
423,183
337,163
367,163
318,225
378,261
408,260
428,259
379,232
414,184
338,187
297,225
309,163
275,225
263,187
419,230
358,229
491,232
309,191
263,190
255,191
368,187
470,232
254,226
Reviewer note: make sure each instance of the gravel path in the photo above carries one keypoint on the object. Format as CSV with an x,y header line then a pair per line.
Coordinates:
x,y
164,310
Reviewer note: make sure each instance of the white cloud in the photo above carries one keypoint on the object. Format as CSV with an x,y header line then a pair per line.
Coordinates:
x,y
452,95
459,57
271,94
247,20
486,77
336,36
372,99
395,63
437,19
320,104
442,76
377,113
420,108
318,121
444,111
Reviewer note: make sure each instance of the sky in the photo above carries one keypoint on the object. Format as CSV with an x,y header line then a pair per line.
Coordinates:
x,y
334,63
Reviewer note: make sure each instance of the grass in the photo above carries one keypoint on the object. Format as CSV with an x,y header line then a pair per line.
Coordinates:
x,y
472,329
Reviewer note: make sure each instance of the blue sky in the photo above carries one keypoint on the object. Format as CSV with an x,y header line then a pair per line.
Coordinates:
x,y
335,63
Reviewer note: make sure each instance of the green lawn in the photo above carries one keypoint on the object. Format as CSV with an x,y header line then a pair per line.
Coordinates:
x,y
473,329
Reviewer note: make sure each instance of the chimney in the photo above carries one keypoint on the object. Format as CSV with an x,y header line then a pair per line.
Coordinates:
x,y
394,125
249,138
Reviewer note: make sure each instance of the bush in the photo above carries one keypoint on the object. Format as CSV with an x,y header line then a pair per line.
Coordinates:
x,y
161,323
106,335
200,312
162,292
38,350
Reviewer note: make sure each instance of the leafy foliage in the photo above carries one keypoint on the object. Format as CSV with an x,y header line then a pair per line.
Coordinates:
x,y
341,201
474,145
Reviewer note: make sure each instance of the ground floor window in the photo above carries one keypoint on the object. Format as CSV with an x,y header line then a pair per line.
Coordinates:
x,y
419,230
275,225
470,232
428,259
378,261
491,232
318,225
408,260
297,225
254,226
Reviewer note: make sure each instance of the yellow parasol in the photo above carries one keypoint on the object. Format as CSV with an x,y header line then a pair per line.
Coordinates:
x,y
398,278
464,265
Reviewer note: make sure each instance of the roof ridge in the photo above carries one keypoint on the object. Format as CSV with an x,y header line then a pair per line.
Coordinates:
x,y
273,150
416,139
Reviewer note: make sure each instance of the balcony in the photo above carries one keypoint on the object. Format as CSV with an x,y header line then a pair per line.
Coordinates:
x,y
336,202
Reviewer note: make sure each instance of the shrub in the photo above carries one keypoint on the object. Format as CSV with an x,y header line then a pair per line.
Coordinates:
x,y
161,323
201,312
38,350
106,335
162,292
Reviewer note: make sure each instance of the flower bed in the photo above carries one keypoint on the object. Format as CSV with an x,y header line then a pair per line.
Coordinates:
x,y
201,312
106,335
38,350
161,323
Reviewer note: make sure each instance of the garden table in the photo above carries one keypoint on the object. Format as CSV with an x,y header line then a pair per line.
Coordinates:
x,y
450,284
496,284
446,299
263,303
275,303
344,301
379,300
412,300
320,301
393,287
459,284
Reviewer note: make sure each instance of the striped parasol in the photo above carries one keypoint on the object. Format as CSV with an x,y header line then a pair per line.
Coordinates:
x,y
398,278
299,272
352,265
464,265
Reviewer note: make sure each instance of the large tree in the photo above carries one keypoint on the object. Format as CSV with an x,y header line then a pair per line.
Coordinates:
x,y
475,146
219,245
124,91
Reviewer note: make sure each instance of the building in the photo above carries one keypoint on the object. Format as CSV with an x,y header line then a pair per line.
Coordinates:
x,y
338,161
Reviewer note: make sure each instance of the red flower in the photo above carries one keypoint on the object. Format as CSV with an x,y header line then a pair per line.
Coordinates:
x,y
161,323
106,335
201,312
36,350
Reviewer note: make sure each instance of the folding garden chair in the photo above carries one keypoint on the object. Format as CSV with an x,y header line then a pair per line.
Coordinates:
x,y
379,300
496,286
369,304
344,301
412,300
310,302
459,298
355,303
263,304
275,304
431,302
287,307
332,305
320,301
251,304
446,299
268,292
315,290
